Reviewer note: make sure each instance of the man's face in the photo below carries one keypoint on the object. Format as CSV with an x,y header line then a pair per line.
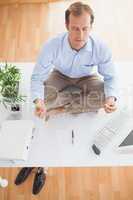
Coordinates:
x,y
78,28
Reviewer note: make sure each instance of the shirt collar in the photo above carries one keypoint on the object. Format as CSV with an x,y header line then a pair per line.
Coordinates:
x,y
87,47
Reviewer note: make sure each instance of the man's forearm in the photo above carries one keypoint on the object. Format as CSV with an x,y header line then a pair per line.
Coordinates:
x,y
111,89
40,74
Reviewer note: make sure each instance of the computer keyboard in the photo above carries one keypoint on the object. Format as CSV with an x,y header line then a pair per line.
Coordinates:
x,y
111,129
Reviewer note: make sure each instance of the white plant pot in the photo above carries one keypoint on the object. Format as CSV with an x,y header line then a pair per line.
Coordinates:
x,y
3,112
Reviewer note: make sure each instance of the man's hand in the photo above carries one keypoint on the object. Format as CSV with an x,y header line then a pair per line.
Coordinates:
x,y
40,109
110,105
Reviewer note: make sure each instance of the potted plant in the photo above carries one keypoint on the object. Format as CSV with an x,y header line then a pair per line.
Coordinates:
x,y
10,77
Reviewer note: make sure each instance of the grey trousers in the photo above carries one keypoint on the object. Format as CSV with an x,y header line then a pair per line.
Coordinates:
x,y
76,94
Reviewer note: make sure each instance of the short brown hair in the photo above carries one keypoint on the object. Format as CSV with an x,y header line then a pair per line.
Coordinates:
x,y
77,9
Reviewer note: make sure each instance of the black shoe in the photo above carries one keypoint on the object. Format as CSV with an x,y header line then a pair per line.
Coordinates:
x,y
23,174
39,181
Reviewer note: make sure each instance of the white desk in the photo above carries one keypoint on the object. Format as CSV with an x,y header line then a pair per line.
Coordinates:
x,y
52,144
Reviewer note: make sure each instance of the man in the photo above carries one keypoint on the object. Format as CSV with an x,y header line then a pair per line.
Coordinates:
x,y
69,60
73,56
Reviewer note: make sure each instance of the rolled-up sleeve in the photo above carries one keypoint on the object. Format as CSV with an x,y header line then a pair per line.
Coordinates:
x,y
107,69
42,71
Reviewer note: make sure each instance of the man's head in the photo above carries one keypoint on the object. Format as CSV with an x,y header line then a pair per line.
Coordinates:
x,y
79,18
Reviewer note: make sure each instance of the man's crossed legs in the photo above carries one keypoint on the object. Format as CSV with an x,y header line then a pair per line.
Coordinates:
x,y
76,94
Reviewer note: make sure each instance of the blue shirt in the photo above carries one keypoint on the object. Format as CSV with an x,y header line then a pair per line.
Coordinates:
x,y
58,54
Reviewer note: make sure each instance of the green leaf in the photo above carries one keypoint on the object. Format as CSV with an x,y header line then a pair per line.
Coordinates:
x,y
10,77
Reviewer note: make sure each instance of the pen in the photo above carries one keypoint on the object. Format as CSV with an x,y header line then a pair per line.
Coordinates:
x,y
72,137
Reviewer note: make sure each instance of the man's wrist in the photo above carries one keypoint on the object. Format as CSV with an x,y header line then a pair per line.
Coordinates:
x,y
36,101
112,98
